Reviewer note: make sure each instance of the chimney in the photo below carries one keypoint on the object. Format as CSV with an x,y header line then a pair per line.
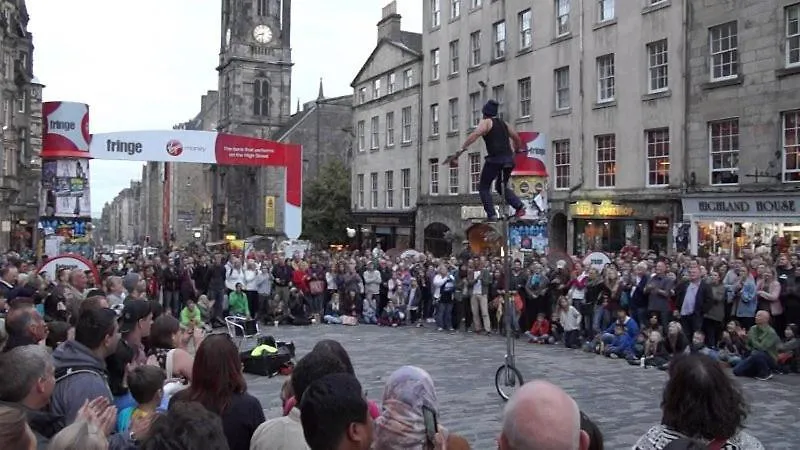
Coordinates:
x,y
389,26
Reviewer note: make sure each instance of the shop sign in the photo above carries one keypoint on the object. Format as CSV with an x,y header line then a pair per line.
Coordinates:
x,y
742,206
398,220
661,225
475,212
598,260
606,208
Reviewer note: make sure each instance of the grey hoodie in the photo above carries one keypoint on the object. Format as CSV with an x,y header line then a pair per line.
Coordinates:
x,y
87,381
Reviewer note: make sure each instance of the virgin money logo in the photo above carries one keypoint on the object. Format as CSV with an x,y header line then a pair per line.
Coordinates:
x,y
174,147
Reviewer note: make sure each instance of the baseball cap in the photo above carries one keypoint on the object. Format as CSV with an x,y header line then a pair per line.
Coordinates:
x,y
133,311
130,280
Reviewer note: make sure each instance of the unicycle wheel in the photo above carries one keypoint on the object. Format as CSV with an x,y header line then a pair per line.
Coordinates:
x,y
507,380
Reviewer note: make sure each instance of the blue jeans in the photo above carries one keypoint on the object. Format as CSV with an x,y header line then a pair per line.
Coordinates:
x,y
317,303
499,173
216,295
172,300
444,315
758,364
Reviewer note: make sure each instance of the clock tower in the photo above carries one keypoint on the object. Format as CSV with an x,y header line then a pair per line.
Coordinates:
x,y
255,72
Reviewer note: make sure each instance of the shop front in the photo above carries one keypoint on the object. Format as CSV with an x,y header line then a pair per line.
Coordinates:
x,y
386,230
732,224
606,226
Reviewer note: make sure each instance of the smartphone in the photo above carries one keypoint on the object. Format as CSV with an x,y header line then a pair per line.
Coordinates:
x,y
431,428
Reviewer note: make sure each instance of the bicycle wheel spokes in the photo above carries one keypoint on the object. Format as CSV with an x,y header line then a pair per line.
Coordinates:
x,y
507,380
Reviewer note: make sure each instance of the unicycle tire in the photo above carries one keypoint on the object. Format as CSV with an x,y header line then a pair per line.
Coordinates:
x,y
503,380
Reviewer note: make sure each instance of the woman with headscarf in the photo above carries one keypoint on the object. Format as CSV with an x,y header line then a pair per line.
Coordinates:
x,y
409,391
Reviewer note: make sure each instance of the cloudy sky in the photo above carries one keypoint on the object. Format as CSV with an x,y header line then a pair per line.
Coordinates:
x,y
144,64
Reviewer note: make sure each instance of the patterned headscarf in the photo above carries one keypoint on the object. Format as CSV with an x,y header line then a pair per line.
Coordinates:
x,y
401,424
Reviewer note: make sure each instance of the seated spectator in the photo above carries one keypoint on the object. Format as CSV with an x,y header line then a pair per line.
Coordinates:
x,y
621,345
789,350
26,383
541,415
206,308
675,343
392,316
14,430
699,346
408,392
191,317
167,337
540,331
334,414
369,313
700,402
298,308
570,320
733,345
57,333
81,435
25,328
146,384
762,342
593,431
219,385
631,327
186,426
237,302
331,315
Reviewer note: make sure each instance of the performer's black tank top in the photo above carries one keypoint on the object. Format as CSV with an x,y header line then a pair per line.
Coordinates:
x,y
498,148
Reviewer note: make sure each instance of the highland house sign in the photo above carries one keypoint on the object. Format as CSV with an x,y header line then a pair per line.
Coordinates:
x,y
742,206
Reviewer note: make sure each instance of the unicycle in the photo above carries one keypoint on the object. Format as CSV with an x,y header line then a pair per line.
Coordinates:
x,y
508,378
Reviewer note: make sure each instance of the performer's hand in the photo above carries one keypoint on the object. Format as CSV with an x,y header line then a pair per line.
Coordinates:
x,y
449,159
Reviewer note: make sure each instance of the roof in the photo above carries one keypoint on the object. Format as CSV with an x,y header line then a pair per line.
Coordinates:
x,y
297,118
409,42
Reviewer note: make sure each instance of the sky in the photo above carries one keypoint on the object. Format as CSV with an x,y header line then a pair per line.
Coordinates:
x,y
144,64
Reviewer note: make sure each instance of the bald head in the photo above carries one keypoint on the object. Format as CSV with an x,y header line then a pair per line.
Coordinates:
x,y
541,416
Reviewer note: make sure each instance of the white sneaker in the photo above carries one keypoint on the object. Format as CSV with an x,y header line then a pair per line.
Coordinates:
x,y
439,329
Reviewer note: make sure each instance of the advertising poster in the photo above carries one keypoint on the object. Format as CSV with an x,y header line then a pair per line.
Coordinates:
x,y
65,183
529,237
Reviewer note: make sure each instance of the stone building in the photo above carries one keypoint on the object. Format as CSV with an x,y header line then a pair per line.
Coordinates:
x,y
603,84
123,213
386,102
21,94
255,67
743,129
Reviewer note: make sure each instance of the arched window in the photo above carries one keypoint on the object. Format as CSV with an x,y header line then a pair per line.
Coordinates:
x,y
261,7
261,98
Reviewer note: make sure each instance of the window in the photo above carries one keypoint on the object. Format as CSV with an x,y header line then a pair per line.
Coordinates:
x,y
261,98
561,163
435,64
657,66
658,157
453,106
360,182
499,32
475,4
226,94
606,148
474,172
434,167
475,107
22,101
405,179
724,51
376,88
793,35
453,177
436,14
562,17
605,10
525,35
374,137
455,9
453,57
562,88
373,190
405,123
724,151
360,136
434,119
261,8
499,95
524,93
390,129
362,95
389,188
605,78
408,78
791,146
391,84
475,49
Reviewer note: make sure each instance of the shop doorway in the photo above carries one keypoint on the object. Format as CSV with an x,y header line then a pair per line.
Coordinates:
x,y
558,232
436,241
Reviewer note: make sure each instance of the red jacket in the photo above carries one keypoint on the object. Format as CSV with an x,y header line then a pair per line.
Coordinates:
x,y
540,327
300,280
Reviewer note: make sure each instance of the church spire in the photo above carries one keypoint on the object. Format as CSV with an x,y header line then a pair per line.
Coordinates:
x,y
320,96
298,105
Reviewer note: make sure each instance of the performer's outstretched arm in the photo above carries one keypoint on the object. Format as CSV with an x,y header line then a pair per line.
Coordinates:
x,y
484,126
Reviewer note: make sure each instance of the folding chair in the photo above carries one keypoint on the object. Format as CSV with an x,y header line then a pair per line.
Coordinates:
x,y
242,329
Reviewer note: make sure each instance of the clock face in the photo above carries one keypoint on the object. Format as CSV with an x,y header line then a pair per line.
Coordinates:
x,y
262,34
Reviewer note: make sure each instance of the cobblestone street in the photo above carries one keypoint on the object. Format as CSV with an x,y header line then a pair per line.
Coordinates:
x,y
622,399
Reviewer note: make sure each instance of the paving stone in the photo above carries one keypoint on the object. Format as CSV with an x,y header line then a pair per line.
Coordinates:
x,y
624,400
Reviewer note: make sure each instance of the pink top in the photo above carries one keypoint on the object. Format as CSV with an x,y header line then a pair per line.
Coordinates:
x,y
374,410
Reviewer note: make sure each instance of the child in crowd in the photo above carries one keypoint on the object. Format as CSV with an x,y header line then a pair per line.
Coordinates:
x,y
622,344
145,384
331,315
391,316
789,350
699,346
369,310
191,317
655,354
570,320
540,331
556,330
732,346
237,302
206,308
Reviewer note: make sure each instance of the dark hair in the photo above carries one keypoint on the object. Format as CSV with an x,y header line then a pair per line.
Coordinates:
x,y
595,435
311,368
58,332
144,382
162,331
116,365
329,406
216,374
92,302
186,426
94,326
337,350
14,428
700,400
685,444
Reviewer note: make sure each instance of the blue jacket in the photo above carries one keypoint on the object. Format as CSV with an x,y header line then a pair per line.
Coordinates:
x,y
631,327
622,344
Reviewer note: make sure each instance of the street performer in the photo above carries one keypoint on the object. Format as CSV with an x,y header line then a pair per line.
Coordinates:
x,y
499,138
